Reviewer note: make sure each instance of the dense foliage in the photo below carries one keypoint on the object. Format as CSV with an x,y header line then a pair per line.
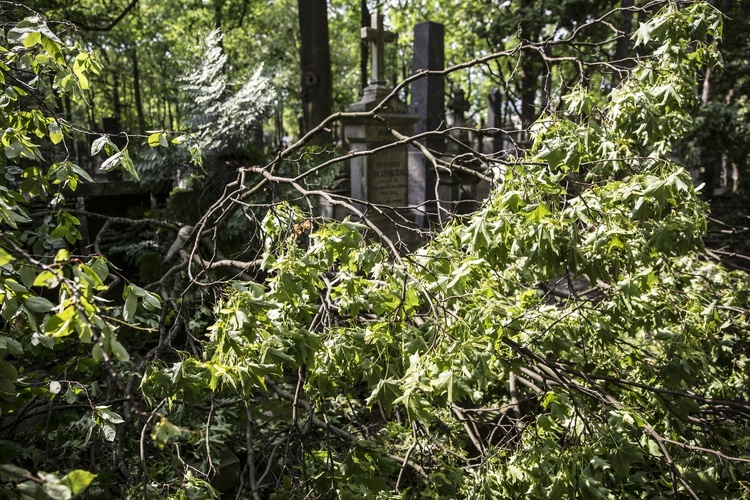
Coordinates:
x,y
569,339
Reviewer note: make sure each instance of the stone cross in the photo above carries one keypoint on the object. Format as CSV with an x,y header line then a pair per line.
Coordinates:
x,y
378,37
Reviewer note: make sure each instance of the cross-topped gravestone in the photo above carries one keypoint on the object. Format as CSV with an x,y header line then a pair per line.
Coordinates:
x,y
379,167
378,37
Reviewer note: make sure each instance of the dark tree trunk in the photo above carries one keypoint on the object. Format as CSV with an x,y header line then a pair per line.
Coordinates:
x,y
116,102
137,91
710,154
529,87
626,27
364,49
315,67
530,72
218,6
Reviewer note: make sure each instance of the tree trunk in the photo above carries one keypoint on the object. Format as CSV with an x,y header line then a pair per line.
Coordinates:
x,y
137,91
116,102
710,155
530,73
315,67
364,49
626,27
529,87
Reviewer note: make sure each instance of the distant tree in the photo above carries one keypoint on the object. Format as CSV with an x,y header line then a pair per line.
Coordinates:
x,y
718,146
315,66
223,116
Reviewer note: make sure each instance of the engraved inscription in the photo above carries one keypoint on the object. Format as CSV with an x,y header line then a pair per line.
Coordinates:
x,y
387,178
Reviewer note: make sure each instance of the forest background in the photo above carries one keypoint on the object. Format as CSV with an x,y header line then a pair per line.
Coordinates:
x,y
583,333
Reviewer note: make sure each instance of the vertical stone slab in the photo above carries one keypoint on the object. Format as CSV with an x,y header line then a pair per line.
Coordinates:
x,y
428,93
428,105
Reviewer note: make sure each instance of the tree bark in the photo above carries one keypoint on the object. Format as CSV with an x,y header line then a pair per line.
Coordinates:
x,y
710,154
530,72
137,91
626,27
364,49
315,67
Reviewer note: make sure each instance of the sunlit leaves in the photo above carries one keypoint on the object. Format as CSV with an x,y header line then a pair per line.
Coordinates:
x,y
49,297
164,430
158,139
526,351
579,277
107,420
77,481
116,157
5,257
20,483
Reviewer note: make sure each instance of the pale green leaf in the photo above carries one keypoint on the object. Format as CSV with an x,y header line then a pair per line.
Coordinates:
x,y
78,480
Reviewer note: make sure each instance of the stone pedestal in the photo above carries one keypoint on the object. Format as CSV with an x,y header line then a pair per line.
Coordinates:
x,y
381,177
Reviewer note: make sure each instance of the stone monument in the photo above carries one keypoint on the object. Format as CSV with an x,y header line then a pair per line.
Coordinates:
x,y
459,105
380,176
428,105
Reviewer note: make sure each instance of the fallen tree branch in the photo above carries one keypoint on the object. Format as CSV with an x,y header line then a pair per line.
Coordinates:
x,y
347,436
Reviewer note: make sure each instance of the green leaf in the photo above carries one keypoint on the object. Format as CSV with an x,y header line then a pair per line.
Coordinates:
x,y
8,379
60,325
162,431
5,257
106,414
32,39
643,34
118,350
538,213
83,81
131,304
12,346
55,133
112,162
80,172
127,164
158,139
109,431
53,489
52,45
100,143
387,391
151,301
28,275
153,140
14,150
78,480
100,268
624,454
47,279
38,304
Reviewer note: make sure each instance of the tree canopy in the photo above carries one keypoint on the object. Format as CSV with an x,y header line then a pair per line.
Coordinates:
x,y
572,337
